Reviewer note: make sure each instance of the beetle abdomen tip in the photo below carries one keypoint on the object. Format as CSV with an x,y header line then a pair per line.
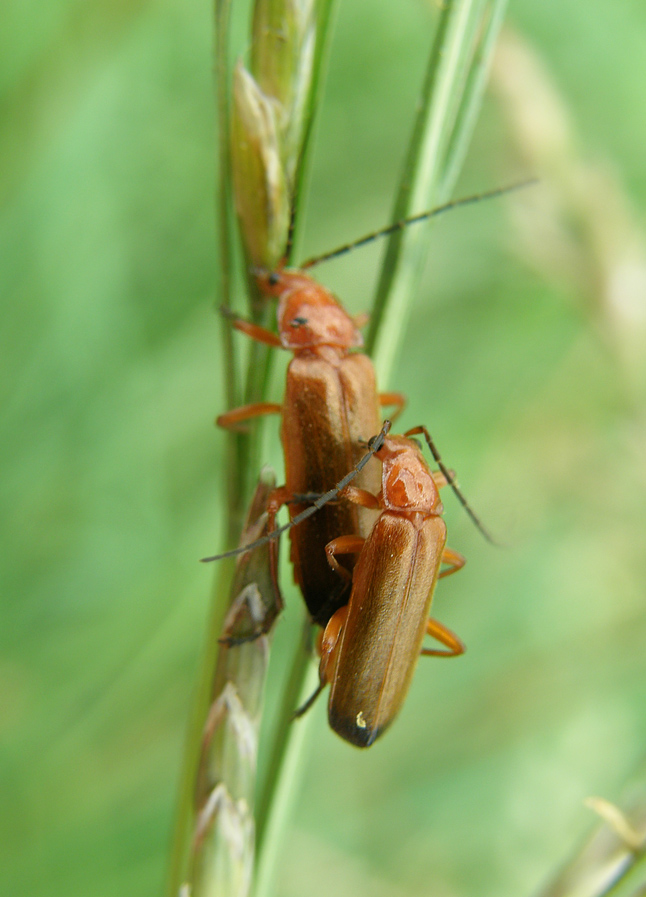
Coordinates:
x,y
355,729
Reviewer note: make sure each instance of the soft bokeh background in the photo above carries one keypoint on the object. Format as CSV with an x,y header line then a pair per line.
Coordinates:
x,y
525,358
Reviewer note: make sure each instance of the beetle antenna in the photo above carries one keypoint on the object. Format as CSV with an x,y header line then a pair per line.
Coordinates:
x,y
415,219
373,446
450,478
289,244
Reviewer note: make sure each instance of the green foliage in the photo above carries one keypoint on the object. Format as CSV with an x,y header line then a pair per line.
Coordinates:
x,y
112,490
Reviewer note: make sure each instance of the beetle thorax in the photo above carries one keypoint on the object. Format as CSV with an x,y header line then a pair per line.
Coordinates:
x,y
407,484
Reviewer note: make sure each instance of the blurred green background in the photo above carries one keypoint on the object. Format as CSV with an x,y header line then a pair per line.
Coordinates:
x,y
525,358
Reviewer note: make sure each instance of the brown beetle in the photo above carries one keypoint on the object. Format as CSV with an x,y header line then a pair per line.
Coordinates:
x,y
369,648
331,407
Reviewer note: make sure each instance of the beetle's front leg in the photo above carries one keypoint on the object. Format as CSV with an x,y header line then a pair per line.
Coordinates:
x,y
396,399
255,331
230,420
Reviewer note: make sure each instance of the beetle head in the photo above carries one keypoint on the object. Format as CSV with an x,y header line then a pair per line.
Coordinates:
x,y
310,316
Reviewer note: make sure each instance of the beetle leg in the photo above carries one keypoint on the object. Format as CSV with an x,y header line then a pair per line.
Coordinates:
x,y
254,610
342,545
443,634
450,479
275,501
303,498
454,560
361,497
327,642
396,399
351,493
255,331
306,706
350,544
440,480
277,498
230,419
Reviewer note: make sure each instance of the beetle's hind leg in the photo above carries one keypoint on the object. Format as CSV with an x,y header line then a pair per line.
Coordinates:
x,y
441,633
327,642
310,701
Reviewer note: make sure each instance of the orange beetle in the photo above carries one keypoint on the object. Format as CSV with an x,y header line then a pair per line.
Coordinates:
x,y
369,648
331,407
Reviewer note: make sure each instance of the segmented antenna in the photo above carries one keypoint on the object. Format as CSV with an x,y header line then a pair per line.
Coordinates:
x,y
373,446
451,480
415,219
289,244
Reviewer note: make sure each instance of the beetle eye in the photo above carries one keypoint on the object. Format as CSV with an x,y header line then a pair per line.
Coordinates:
x,y
273,279
298,322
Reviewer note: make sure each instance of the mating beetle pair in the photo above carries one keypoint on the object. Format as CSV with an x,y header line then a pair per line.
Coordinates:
x,y
367,563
